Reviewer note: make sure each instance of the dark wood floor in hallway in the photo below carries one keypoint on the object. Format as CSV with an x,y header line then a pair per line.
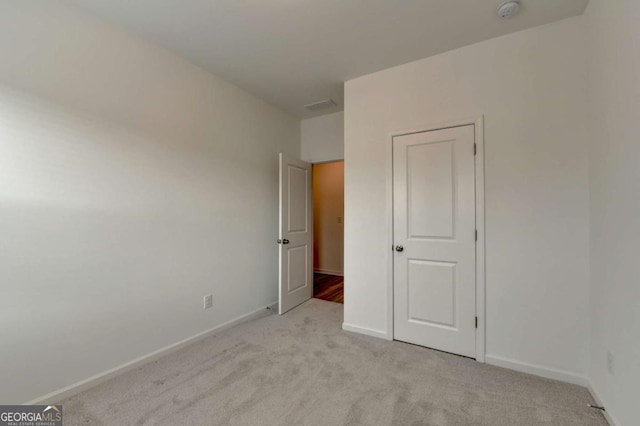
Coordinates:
x,y
328,287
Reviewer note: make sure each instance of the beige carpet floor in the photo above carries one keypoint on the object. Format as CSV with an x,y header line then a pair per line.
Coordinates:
x,y
302,369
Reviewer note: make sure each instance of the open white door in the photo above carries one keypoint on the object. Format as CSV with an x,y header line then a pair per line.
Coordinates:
x,y
296,234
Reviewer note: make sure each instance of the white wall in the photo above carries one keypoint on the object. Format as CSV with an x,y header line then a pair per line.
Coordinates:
x,y
323,138
531,88
328,214
614,40
133,183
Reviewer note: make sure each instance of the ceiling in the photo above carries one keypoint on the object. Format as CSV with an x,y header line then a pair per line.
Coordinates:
x,y
295,52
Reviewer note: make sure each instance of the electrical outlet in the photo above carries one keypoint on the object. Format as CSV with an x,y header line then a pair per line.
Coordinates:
x,y
208,301
611,363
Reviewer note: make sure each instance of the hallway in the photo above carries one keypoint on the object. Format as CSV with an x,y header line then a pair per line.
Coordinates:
x,y
328,287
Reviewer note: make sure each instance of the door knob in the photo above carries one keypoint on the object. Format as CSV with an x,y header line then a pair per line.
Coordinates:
x,y
285,241
399,248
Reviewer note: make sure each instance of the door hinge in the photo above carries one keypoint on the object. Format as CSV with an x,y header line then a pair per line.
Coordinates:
x,y
475,149
476,322
476,235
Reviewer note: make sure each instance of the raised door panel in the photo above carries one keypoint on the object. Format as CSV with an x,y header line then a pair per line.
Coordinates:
x,y
430,190
431,295
298,184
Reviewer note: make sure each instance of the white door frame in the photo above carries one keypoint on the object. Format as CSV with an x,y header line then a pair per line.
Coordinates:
x,y
478,123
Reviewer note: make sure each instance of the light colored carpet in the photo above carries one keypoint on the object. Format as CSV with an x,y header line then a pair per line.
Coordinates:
x,y
302,369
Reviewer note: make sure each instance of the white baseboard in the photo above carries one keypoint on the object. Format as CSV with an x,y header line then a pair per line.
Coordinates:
x,y
329,272
366,331
67,391
598,400
537,370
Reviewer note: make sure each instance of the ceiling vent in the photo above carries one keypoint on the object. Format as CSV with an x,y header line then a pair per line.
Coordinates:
x,y
317,106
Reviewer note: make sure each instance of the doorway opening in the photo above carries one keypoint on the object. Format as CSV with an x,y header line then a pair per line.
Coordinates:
x,y
328,231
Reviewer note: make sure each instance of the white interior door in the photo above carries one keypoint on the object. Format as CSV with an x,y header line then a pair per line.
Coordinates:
x,y
435,239
296,233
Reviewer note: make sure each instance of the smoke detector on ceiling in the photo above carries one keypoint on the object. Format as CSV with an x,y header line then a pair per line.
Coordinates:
x,y
327,103
508,8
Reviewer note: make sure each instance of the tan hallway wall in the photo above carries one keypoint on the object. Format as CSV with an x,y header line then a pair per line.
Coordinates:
x,y
328,214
